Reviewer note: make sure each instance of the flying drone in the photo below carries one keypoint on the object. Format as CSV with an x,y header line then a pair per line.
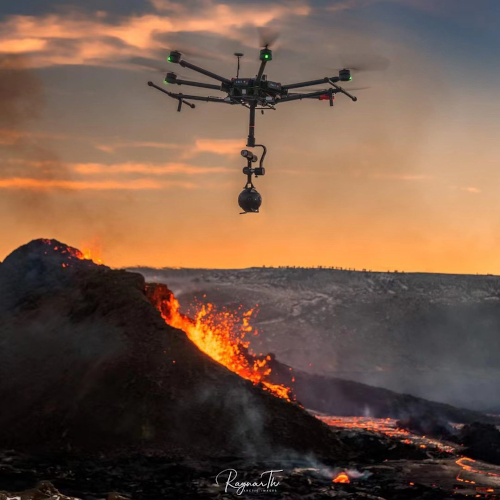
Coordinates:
x,y
256,93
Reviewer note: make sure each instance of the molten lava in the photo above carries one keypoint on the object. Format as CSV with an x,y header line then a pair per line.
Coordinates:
x,y
90,253
221,335
341,478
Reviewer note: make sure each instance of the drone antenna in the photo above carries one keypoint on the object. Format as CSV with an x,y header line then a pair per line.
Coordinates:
x,y
239,55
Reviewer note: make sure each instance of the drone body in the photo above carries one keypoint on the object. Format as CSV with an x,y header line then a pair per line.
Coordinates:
x,y
256,93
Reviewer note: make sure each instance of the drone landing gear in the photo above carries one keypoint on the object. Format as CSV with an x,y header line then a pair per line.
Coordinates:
x,y
250,199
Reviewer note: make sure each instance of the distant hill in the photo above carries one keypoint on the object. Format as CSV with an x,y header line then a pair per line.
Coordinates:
x,y
435,336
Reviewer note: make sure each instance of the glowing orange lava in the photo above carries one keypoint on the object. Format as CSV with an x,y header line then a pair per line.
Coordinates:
x,y
470,468
341,478
221,335
92,251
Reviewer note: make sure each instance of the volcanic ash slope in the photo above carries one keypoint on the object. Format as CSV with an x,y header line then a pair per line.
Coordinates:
x,y
87,362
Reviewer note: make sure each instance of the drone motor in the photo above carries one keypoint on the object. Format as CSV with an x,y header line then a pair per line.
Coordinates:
x,y
345,75
174,57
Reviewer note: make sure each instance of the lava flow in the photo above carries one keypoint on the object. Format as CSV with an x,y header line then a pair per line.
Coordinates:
x,y
221,335
387,426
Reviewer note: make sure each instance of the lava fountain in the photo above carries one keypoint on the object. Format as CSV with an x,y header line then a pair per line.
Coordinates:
x,y
221,335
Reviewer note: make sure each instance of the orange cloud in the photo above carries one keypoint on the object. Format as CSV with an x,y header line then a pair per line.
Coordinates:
x,y
9,137
403,177
20,45
50,184
95,41
164,169
111,148
217,146
471,189
226,147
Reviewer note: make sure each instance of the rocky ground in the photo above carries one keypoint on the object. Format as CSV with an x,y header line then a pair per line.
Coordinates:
x,y
154,478
430,335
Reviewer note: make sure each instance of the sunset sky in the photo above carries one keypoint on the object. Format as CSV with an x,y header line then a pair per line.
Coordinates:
x,y
406,178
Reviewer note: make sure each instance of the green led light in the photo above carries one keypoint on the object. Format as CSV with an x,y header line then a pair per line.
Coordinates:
x,y
266,56
350,78
169,58
165,81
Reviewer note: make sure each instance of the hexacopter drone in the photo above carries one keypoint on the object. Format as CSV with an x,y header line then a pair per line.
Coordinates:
x,y
256,93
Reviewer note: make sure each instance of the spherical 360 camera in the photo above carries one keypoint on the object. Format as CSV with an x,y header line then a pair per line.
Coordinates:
x,y
250,200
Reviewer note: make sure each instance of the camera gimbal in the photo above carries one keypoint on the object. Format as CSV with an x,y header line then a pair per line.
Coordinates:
x,y
250,199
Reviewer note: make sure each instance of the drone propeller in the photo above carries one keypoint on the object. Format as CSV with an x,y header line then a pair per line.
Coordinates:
x,y
146,63
160,69
189,52
267,36
364,62
149,65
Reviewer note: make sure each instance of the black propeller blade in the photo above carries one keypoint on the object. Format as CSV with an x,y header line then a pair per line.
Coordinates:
x,y
189,52
148,66
267,36
363,62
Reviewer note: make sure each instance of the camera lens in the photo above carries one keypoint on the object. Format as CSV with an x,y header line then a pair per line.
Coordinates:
x,y
250,200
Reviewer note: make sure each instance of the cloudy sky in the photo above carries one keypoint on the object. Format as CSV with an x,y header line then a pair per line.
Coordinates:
x,y
406,178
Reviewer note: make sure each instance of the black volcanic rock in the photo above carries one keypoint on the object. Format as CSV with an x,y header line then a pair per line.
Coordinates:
x,y
481,441
86,362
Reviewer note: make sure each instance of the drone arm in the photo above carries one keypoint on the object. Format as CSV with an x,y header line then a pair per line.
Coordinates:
x,y
195,84
312,82
186,64
261,71
192,97
295,97
340,89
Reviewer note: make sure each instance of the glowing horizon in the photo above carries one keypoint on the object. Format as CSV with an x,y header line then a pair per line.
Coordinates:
x,y
405,178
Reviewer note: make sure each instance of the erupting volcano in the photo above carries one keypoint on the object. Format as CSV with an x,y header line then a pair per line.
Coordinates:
x,y
221,335
107,371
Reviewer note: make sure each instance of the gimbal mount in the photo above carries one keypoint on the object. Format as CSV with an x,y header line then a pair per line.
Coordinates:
x,y
250,199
